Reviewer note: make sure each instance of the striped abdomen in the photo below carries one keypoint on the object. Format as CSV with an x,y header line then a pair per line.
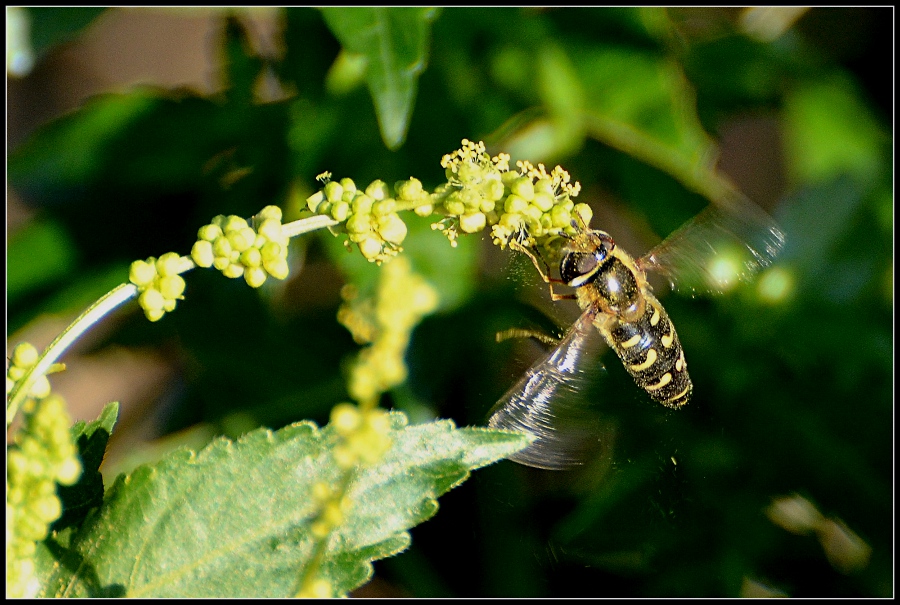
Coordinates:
x,y
650,350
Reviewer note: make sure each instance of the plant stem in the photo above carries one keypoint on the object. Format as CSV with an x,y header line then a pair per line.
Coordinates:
x,y
105,305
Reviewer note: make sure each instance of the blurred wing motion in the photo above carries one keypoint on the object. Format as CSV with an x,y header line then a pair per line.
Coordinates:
x,y
549,401
728,242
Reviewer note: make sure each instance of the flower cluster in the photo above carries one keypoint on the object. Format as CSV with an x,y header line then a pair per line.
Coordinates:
x,y
369,217
529,204
385,322
237,249
159,284
42,455
364,433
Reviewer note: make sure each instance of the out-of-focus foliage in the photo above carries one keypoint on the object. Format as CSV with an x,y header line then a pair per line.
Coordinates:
x,y
793,374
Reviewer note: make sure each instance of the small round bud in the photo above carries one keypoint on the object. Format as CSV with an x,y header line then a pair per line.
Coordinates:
x,y
255,276
241,239
222,247
333,191
523,187
359,223
345,418
392,228
168,264
277,268
141,273
348,185
270,212
233,270
362,204
544,201
234,223
171,286
251,257
378,190
151,299
410,190
340,211
313,201
585,212
383,207
270,228
425,210
515,204
25,355
202,253
472,223
371,248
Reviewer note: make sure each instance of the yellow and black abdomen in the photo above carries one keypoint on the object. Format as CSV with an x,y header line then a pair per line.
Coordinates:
x,y
650,350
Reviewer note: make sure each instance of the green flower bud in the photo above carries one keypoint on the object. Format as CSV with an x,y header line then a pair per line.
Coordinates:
x,y
151,299
202,253
544,186
340,211
487,206
154,314
454,205
233,270
242,239
209,233
348,185
25,355
169,305
251,257
345,418
277,268
472,223
222,248
142,273
255,276
359,223
585,211
559,216
543,200
512,221
333,191
494,190
313,201
234,223
362,204
378,190
370,248
515,204
168,264
270,228
425,210
392,228
270,213
383,207
40,388
409,190
171,286
221,262
523,187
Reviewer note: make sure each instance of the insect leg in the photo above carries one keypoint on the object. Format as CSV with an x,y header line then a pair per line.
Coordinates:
x,y
544,273
527,333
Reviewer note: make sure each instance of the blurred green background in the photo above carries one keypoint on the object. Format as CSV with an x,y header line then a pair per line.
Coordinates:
x,y
131,128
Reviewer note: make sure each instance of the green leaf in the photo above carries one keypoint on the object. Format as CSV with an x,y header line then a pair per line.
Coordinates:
x,y
831,133
91,439
640,103
233,520
395,43
40,254
55,25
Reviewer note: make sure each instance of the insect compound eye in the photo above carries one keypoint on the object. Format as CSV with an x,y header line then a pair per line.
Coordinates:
x,y
578,268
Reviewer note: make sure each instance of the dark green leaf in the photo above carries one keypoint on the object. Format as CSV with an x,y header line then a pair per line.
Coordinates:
x,y
395,42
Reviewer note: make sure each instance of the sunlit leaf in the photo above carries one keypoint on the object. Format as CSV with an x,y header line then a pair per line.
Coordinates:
x,y
234,519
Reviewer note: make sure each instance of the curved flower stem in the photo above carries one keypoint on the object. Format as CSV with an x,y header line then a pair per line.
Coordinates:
x,y
307,224
105,305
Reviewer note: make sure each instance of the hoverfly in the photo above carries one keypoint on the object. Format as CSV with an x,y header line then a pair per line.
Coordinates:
x,y
617,302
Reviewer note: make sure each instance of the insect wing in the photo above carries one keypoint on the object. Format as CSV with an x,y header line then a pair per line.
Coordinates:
x,y
549,401
728,242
